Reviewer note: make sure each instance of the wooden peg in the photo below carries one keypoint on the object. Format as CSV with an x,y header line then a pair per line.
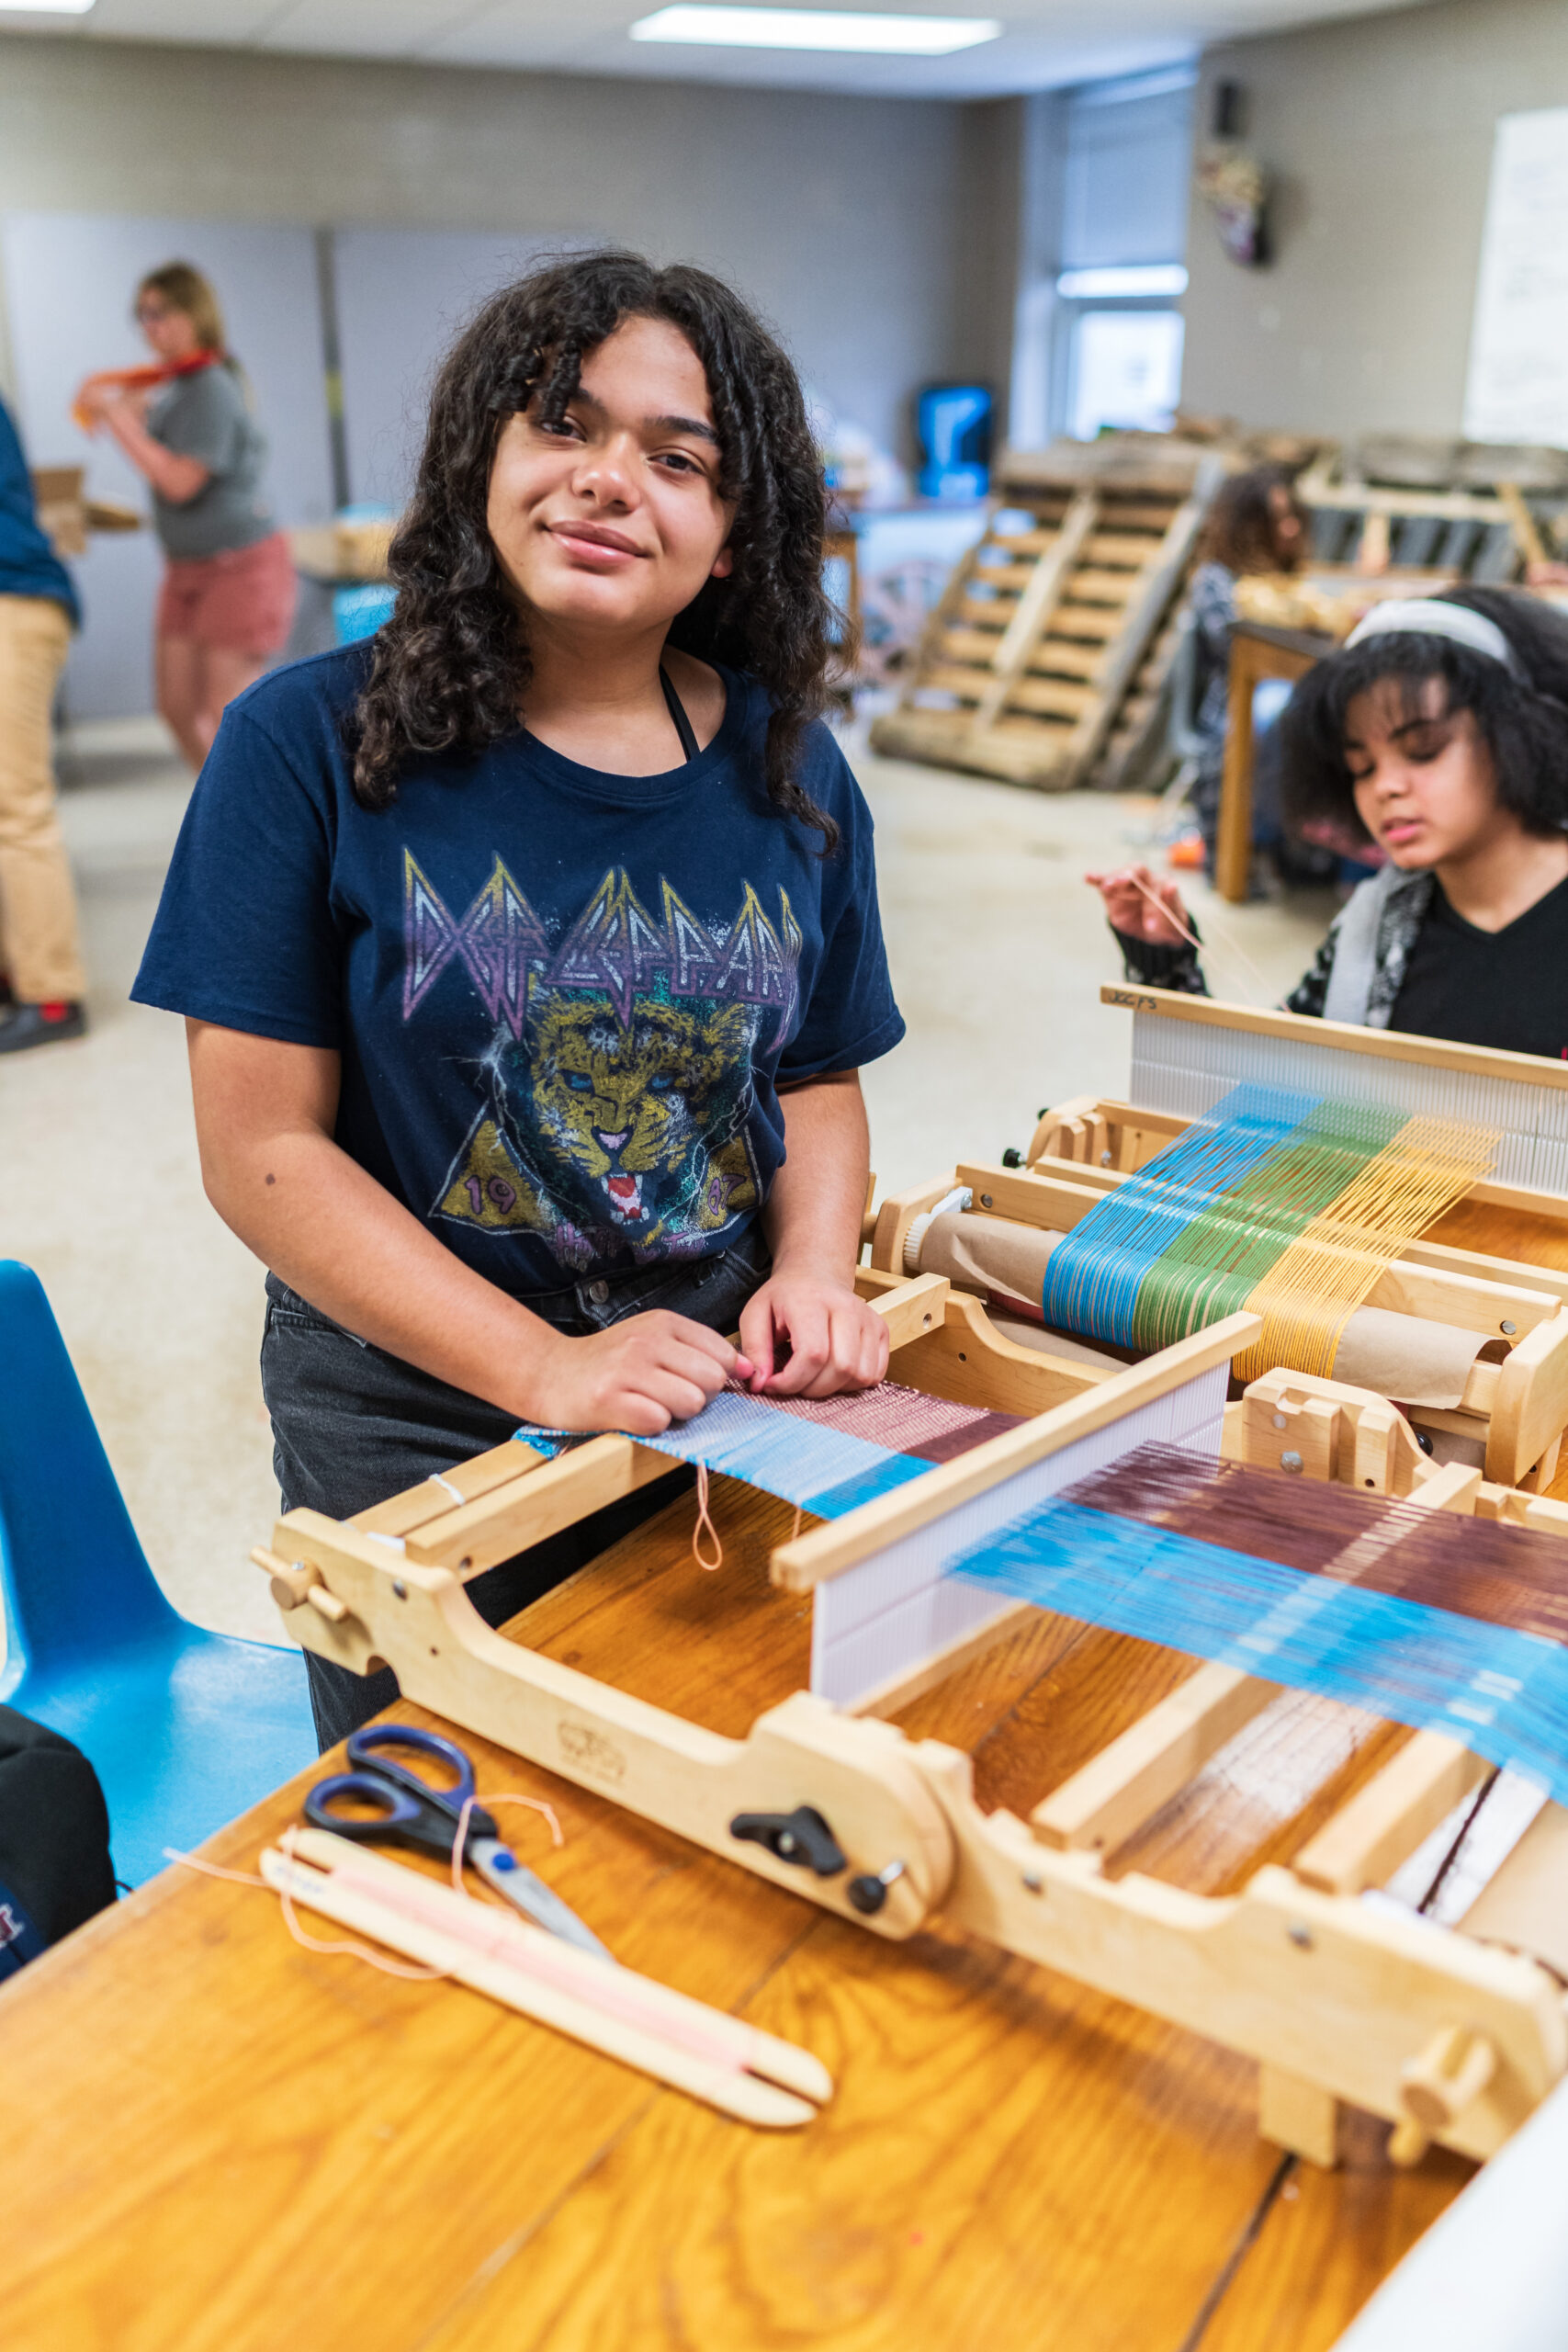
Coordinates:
x,y
1455,2067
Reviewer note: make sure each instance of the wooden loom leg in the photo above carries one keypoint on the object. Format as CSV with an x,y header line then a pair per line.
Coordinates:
x,y
1299,2116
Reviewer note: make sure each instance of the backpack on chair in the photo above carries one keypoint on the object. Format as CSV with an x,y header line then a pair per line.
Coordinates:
x,y
54,1840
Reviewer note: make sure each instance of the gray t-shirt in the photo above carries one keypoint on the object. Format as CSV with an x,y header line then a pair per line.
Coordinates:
x,y
205,416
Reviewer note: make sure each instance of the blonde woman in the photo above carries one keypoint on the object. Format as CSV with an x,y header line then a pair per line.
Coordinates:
x,y
229,594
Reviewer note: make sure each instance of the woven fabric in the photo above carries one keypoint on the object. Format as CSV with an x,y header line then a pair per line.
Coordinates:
x,y
900,1419
850,1450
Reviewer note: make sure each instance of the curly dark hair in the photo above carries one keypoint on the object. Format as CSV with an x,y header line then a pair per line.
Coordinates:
x,y
1241,530
1523,719
450,668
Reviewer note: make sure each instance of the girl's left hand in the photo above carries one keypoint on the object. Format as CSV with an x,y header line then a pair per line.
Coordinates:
x,y
820,1336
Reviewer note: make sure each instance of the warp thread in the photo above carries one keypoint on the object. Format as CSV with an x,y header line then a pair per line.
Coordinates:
x,y
1344,1627
1284,1204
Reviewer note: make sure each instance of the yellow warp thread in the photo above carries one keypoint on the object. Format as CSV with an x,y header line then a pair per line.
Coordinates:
x,y
1332,1268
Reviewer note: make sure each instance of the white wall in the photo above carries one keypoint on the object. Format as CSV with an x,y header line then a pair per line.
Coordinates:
x,y
268,279
1379,129
840,217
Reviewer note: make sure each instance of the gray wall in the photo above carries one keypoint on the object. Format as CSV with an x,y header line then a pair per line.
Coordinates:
x,y
842,217
1380,131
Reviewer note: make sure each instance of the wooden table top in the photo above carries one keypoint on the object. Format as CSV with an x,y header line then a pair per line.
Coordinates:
x,y
214,2139
218,2142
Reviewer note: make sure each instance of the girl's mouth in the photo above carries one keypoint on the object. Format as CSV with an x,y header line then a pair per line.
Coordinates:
x,y
589,543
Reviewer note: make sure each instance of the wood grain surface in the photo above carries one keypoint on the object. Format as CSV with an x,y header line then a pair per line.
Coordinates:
x,y
218,2139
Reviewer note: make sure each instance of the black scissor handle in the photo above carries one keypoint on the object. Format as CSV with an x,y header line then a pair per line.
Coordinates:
x,y
405,1820
373,1750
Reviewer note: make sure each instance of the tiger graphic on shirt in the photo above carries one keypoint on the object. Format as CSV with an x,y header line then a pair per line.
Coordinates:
x,y
616,1092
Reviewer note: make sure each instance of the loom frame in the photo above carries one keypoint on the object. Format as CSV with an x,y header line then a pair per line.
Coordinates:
x,y
1452,2039
1087,1146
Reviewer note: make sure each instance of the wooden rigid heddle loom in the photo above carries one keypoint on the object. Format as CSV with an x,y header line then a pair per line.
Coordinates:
x,y
1361,1672
1045,655
1301,1169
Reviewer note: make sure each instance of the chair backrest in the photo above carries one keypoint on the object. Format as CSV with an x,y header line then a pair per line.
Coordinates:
x,y
73,1579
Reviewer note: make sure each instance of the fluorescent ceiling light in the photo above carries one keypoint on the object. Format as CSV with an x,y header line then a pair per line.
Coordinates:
x,y
1124,280
46,7
813,28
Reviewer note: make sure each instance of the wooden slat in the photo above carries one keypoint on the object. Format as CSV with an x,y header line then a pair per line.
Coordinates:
x,y
1385,1821
1050,701
969,644
1139,515
1129,1780
1119,548
1034,606
1066,654
946,677
1090,586
986,612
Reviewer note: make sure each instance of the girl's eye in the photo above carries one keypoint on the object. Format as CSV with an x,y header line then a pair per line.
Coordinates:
x,y
677,461
661,1084
579,1082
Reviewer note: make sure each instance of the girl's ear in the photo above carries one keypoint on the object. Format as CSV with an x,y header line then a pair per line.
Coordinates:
x,y
723,564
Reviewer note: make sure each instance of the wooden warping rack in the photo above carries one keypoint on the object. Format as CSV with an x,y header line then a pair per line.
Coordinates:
x,y
1041,638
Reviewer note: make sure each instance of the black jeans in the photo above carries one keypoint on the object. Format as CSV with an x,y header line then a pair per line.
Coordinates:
x,y
352,1425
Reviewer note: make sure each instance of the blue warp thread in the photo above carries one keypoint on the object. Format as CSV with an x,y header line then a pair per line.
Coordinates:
x,y
1503,1693
1095,1272
818,1468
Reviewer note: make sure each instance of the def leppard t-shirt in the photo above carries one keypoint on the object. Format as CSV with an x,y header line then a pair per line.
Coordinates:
x,y
1506,987
565,1001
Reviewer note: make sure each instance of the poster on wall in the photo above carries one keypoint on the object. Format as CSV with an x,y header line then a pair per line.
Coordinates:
x,y
1518,388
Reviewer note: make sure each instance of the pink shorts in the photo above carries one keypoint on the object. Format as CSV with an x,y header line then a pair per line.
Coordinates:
x,y
240,601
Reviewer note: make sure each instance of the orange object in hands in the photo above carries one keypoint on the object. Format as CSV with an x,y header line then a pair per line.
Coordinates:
x,y
135,379
1186,854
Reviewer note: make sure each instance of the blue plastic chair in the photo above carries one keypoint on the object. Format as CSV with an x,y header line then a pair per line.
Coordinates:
x,y
184,1729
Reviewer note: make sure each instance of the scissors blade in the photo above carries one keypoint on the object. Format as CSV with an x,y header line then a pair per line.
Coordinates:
x,y
499,1868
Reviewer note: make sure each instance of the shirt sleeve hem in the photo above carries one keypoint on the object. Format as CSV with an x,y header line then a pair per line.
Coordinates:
x,y
244,1018
869,1048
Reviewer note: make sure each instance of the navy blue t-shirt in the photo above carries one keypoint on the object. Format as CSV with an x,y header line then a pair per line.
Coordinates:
x,y
564,1001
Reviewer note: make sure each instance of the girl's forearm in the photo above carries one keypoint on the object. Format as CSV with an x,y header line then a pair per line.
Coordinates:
x,y
330,1231
173,477
814,1212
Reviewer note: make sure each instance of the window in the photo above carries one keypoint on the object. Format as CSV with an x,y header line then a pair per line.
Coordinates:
x,y
1125,370
1098,342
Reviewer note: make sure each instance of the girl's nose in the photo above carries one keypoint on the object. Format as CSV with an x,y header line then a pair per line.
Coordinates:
x,y
606,472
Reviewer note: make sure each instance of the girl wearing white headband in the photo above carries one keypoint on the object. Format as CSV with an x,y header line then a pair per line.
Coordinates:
x,y
1438,733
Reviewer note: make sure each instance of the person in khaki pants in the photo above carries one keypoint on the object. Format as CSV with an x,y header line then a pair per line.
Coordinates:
x,y
41,980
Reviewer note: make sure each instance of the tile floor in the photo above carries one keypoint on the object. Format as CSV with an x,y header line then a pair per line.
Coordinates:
x,y
997,954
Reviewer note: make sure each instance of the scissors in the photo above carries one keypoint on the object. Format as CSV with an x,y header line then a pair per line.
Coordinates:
x,y
413,1812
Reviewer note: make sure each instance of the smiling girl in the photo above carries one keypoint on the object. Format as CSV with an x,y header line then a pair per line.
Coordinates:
x,y
1439,731
529,953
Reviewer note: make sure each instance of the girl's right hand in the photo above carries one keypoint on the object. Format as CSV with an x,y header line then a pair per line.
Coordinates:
x,y
638,1376
1154,912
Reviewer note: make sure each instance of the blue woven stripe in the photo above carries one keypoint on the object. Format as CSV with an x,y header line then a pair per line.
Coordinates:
x,y
1094,1273
819,1469
1503,1693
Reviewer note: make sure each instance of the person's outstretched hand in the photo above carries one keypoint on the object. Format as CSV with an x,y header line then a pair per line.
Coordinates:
x,y
808,1335
1161,919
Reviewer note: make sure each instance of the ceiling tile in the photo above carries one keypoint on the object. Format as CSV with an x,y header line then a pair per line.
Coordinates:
x,y
1046,44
